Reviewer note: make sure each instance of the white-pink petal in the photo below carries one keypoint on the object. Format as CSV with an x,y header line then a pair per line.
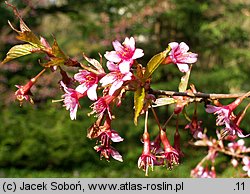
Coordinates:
x,y
115,154
212,109
173,45
91,92
129,42
115,137
73,112
81,88
127,76
124,67
183,67
111,66
183,47
138,54
112,56
115,86
107,79
117,46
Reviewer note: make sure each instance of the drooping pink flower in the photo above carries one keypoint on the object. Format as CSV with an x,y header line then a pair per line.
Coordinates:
x,y
246,167
102,105
124,54
89,83
106,150
180,56
170,155
24,92
71,100
223,114
195,128
226,117
115,77
147,159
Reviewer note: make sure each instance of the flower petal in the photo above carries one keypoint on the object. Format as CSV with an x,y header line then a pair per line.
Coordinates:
x,y
116,155
183,47
212,109
124,66
130,42
81,88
108,79
73,112
183,67
138,54
112,56
112,67
117,46
173,45
115,86
91,92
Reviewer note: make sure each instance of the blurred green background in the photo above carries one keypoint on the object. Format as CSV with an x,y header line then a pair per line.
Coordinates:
x,y
41,141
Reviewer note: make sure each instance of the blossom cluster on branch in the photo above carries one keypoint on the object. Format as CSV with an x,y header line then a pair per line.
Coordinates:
x,y
107,89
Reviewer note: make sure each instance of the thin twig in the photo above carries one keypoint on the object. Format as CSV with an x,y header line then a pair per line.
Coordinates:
x,y
196,95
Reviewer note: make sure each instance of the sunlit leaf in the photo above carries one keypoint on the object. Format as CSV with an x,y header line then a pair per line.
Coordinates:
x,y
18,51
163,101
27,35
30,37
154,63
184,81
139,96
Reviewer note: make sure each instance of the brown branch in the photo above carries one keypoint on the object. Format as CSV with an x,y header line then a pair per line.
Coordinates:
x,y
196,95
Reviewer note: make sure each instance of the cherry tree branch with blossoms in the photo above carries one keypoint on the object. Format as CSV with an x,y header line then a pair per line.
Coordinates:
x,y
107,89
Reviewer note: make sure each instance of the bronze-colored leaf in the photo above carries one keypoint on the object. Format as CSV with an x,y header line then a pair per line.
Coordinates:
x,y
57,52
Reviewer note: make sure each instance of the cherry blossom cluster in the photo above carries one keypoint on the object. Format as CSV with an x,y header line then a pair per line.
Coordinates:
x,y
106,83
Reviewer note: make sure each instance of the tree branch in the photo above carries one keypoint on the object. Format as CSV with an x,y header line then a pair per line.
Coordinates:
x,y
196,95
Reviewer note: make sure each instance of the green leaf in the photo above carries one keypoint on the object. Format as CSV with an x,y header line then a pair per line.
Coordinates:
x,y
18,51
154,63
184,81
138,102
164,101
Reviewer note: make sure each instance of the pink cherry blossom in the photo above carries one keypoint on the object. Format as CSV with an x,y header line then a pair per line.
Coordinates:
x,y
101,105
124,54
145,161
115,77
180,56
71,100
223,114
246,166
89,83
